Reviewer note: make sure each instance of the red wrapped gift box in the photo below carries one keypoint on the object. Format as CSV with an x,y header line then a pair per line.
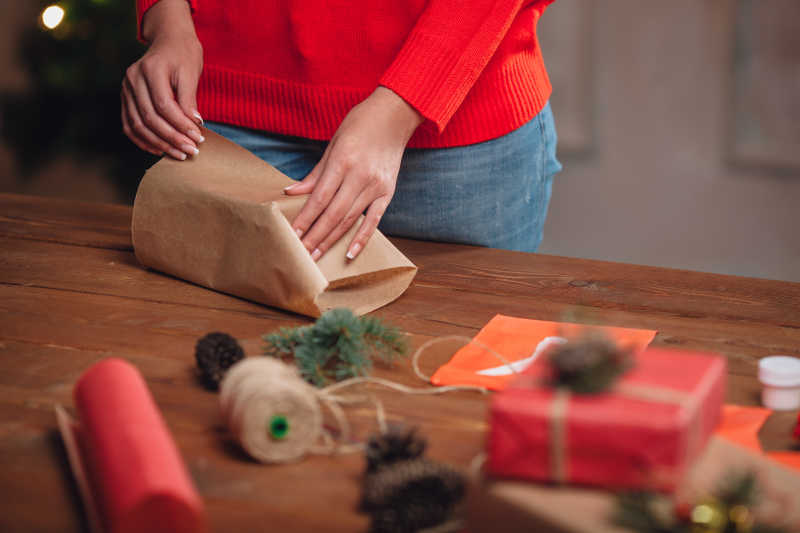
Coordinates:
x,y
644,432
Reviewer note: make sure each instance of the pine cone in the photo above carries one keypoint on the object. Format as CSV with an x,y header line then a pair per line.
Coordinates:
x,y
215,354
397,444
581,355
411,495
589,364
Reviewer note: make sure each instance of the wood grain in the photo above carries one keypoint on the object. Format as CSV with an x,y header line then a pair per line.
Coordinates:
x,y
71,293
65,221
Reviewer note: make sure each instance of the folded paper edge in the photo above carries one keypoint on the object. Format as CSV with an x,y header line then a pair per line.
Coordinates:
x,y
67,427
398,279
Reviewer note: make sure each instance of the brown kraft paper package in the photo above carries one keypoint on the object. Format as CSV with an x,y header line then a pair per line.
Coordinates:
x,y
220,219
510,506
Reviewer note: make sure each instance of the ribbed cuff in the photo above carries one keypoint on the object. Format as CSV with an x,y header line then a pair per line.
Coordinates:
x,y
423,74
496,105
141,8
445,54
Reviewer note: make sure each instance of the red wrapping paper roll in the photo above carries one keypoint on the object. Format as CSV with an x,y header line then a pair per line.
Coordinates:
x,y
137,477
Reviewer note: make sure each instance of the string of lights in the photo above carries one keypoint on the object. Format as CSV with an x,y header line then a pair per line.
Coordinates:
x,y
52,16
75,54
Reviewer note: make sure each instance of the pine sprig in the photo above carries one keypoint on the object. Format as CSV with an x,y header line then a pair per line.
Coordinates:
x,y
338,346
638,511
739,489
648,512
387,342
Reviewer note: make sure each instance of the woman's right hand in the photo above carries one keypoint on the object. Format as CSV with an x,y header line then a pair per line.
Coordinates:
x,y
159,107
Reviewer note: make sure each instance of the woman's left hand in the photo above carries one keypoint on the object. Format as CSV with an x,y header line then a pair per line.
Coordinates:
x,y
357,172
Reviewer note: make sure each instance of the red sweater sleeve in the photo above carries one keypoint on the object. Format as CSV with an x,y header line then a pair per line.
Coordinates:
x,y
141,8
446,51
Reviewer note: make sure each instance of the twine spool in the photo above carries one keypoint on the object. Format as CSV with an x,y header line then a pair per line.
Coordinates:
x,y
270,410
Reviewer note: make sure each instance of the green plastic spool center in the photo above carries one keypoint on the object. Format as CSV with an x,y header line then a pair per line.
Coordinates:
x,y
278,427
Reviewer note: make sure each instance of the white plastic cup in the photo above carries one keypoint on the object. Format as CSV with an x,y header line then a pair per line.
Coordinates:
x,y
780,376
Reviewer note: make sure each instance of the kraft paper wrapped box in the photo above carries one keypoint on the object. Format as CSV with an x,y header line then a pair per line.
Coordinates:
x,y
511,506
643,433
220,219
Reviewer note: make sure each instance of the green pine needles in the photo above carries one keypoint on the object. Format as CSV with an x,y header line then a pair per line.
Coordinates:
x,y
730,510
338,346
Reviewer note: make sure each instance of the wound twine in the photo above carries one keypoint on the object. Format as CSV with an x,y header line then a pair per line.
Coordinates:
x,y
259,392
558,435
277,417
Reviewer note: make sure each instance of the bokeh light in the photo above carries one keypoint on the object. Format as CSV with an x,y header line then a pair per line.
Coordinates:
x,y
52,16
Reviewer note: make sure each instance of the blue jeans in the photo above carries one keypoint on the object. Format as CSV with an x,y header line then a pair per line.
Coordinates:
x,y
493,193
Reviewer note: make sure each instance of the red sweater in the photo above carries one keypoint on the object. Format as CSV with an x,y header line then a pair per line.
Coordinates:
x,y
472,68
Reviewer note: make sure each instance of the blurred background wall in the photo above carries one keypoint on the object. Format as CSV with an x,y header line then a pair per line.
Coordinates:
x,y
679,126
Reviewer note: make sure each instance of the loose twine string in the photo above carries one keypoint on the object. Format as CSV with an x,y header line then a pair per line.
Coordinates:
x,y
278,390
284,393
280,378
287,394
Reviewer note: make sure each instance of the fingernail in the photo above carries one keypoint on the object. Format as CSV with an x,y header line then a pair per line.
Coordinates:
x,y
289,187
351,253
299,232
178,155
195,135
198,117
316,254
189,149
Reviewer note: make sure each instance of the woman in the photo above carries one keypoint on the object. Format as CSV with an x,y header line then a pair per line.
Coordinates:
x,y
437,106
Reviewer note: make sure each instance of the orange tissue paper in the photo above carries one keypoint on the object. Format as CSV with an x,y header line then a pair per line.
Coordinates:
x,y
520,341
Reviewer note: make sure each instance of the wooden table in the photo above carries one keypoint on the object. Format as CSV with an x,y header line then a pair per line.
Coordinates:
x,y
72,293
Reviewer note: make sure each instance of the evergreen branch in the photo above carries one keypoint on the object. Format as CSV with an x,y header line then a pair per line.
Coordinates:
x,y
387,342
338,346
644,511
739,489
636,511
